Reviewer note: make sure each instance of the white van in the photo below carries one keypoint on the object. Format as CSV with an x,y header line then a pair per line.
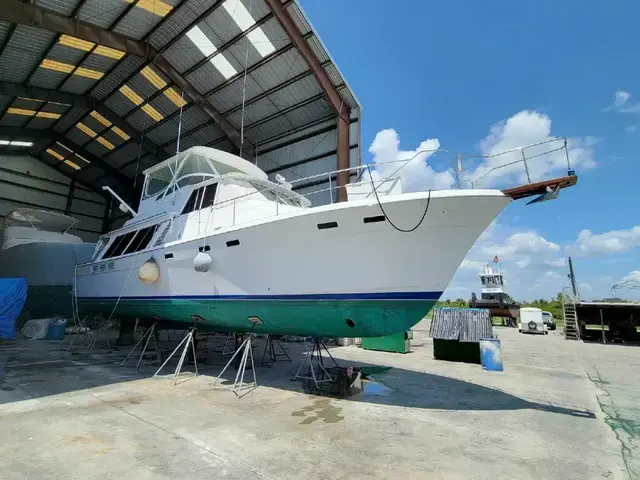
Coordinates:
x,y
532,321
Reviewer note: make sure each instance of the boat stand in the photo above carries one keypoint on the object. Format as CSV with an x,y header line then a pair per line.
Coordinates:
x,y
225,351
314,361
239,386
270,346
149,334
188,341
79,329
92,336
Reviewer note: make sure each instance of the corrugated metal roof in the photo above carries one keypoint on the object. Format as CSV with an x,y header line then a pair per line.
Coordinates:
x,y
185,14
4,30
77,84
65,7
280,69
278,78
227,98
65,54
183,55
313,111
163,133
40,123
13,120
205,78
137,23
23,52
101,13
108,83
72,117
254,112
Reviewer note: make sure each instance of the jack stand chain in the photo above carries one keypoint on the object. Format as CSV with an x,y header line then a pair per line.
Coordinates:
x,y
247,353
187,341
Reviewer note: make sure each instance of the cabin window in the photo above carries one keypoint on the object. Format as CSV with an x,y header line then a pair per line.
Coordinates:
x,y
141,240
209,195
162,236
200,198
193,202
118,245
100,247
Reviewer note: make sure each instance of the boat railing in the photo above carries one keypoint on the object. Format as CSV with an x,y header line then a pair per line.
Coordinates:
x,y
519,162
381,179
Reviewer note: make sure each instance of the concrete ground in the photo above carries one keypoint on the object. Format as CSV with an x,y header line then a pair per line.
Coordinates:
x,y
559,410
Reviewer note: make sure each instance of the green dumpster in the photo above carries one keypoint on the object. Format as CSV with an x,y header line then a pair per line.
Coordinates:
x,y
398,342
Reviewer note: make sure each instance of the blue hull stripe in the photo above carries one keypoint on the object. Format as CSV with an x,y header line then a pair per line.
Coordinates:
x,y
318,296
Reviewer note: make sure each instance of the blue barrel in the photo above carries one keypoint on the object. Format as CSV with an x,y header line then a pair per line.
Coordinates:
x,y
56,331
491,354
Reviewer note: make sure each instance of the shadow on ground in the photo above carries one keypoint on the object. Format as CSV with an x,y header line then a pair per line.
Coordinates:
x,y
37,369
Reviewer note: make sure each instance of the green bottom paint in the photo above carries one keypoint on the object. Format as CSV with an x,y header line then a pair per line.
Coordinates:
x,y
328,318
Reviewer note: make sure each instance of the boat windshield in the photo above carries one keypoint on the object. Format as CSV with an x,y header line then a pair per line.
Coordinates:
x,y
159,180
195,168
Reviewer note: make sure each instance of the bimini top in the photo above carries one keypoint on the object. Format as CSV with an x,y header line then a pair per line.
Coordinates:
x,y
193,163
39,219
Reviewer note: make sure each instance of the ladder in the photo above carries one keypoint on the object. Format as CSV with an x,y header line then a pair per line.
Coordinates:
x,y
570,314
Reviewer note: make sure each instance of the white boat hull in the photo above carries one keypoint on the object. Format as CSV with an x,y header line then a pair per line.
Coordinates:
x,y
356,279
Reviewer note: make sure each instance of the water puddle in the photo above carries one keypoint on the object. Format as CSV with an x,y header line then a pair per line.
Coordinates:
x,y
372,388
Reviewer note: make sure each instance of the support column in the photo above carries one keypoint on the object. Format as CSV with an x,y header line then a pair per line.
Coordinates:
x,y
343,155
72,188
106,219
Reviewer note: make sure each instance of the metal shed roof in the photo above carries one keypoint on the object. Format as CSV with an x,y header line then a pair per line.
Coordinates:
x,y
99,86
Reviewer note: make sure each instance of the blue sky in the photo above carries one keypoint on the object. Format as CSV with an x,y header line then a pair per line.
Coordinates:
x,y
453,70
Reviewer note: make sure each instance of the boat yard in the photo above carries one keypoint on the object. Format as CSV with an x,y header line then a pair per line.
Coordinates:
x,y
83,416
187,262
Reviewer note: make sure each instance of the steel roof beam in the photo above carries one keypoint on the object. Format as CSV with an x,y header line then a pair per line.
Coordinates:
x,y
29,14
334,98
19,90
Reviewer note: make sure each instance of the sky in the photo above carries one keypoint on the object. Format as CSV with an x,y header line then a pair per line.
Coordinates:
x,y
484,77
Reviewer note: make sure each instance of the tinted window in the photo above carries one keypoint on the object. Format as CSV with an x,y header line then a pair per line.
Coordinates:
x,y
141,240
200,198
209,195
194,201
118,245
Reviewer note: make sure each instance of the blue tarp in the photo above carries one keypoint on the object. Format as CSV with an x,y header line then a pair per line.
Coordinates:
x,y
13,293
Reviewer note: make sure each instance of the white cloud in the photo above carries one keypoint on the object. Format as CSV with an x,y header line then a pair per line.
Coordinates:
x,y
631,128
532,265
615,241
621,103
475,265
631,109
585,287
633,276
558,262
416,174
525,128
620,98
524,243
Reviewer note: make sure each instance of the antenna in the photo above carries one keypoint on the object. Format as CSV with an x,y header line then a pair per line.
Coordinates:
x,y
180,125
